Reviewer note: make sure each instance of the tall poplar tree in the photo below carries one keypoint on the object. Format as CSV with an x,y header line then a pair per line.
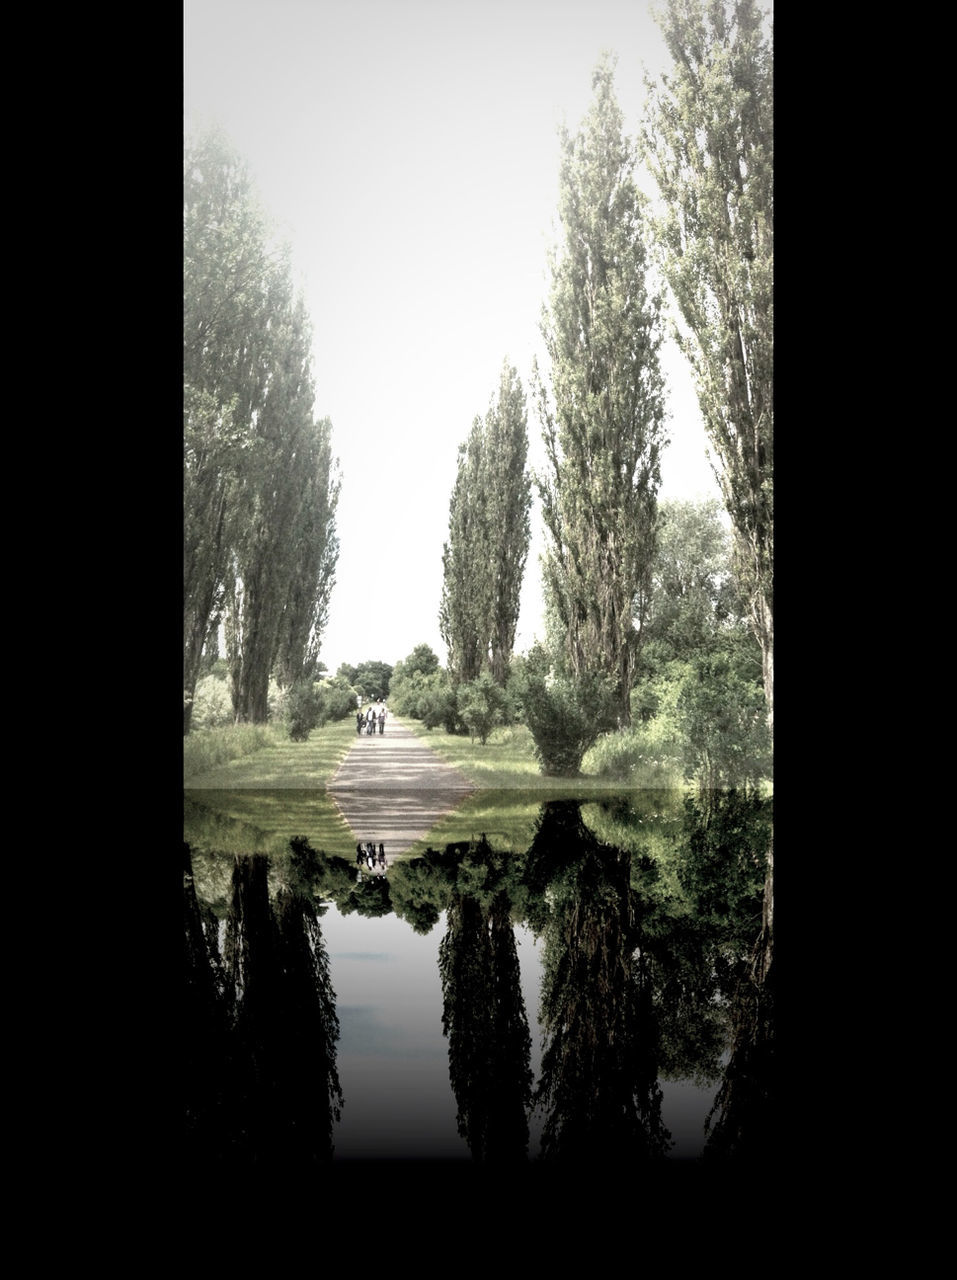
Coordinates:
x,y
603,425
225,268
709,142
484,559
259,485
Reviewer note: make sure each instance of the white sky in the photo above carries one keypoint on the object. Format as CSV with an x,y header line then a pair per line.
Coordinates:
x,y
408,152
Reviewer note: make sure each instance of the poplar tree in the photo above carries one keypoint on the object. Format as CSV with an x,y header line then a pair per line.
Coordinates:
x,y
603,424
225,269
709,143
260,486
484,559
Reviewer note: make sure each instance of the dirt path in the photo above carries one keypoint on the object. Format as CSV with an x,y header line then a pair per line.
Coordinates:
x,y
392,788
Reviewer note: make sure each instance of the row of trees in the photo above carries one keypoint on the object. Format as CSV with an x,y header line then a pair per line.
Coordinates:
x,y
708,142
260,483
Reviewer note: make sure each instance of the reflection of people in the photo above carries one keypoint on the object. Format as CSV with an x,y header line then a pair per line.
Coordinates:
x,y
381,855
360,854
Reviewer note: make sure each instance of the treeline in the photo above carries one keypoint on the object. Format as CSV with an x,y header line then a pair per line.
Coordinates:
x,y
601,403
260,482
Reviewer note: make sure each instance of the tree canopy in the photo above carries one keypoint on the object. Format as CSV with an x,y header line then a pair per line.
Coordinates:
x,y
709,142
603,421
260,482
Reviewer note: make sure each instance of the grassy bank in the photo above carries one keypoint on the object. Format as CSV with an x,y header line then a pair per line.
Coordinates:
x,y
264,758
508,760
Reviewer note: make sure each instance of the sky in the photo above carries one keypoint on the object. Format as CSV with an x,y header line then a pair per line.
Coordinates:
x,y
408,152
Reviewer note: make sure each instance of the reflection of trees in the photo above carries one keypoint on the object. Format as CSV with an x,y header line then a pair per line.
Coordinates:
x,y
599,1067
484,1014
729,834
263,1027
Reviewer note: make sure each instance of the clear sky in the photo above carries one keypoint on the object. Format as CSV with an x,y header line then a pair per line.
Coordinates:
x,y
408,152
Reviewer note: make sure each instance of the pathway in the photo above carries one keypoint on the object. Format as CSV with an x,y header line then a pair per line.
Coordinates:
x,y
392,788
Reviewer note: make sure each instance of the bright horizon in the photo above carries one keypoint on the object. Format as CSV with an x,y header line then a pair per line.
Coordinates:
x,y
408,152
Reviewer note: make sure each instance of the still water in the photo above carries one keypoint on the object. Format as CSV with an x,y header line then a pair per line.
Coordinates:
x,y
567,990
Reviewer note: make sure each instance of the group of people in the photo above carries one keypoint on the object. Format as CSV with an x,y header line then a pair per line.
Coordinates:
x,y
373,717
366,854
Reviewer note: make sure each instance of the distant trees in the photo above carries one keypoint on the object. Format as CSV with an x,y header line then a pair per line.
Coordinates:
x,y
260,483
484,558
709,142
603,424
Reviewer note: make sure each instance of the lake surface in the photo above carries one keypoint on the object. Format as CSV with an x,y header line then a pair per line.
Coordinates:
x,y
567,987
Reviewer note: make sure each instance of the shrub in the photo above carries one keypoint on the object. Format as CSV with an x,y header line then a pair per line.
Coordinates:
x,y
303,709
566,716
215,747
212,704
649,754
482,705
338,699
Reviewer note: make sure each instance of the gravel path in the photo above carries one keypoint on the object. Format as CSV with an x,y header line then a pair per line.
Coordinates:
x,y
392,788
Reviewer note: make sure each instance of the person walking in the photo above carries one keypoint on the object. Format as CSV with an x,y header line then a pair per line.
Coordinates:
x,y
381,717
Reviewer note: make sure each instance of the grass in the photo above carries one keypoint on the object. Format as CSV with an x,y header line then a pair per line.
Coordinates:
x,y
508,761
263,759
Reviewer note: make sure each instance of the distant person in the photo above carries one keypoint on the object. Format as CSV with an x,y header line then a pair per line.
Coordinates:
x,y
370,720
382,855
360,855
360,720
381,717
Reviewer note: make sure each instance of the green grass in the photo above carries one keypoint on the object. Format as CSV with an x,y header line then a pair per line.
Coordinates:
x,y
270,761
508,760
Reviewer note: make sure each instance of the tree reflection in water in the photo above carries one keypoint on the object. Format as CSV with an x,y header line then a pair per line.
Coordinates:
x,y
483,1011
655,963
262,1027
599,1081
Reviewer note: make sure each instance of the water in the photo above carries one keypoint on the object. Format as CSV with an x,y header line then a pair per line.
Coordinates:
x,y
570,1000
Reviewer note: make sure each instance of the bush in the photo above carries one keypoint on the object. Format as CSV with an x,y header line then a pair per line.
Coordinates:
x,y
481,704
338,699
212,704
303,709
649,754
215,747
566,716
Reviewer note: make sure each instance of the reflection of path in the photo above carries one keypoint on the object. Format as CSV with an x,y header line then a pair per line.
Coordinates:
x,y
393,788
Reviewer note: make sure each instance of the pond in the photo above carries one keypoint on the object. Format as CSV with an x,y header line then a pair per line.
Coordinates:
x,y
564,989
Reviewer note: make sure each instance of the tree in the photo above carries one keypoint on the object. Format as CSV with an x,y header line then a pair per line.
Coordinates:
x,y
372,679
709,143
604,426
283,568
259,481
484,558
693,589
225,267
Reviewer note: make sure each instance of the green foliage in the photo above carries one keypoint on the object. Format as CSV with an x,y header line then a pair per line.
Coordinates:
x,y
212,704
429,698
337,699
693,589
260,483
303,710
372,679
643,755
422,659
484,558
205,751
723,714
709,143
482,704
603,424
566,715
